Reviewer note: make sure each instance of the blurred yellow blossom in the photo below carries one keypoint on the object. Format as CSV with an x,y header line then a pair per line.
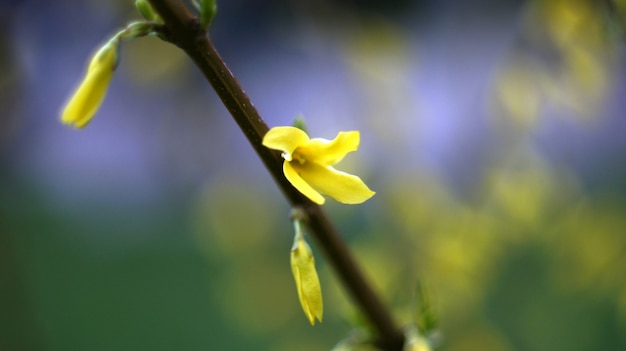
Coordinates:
x,y
87,99
518,91
307,281
308,164
417,345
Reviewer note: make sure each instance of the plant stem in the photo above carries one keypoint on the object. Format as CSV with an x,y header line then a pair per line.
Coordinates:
x,y
184,30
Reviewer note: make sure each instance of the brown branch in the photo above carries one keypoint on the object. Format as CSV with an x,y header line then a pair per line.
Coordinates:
x,y
184,30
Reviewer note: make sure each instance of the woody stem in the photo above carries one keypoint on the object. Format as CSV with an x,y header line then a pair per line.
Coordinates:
x,y
184,30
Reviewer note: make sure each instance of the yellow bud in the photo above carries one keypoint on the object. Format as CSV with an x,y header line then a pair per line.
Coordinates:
x,y
307,281
90,93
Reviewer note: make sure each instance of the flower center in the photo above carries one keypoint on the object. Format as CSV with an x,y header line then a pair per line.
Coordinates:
x,y
298,156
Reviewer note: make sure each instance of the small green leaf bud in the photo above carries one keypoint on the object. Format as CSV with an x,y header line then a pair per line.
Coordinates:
x,y
208,10
299,123
146,11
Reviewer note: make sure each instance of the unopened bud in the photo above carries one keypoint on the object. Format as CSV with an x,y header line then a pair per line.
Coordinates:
x,y
91,92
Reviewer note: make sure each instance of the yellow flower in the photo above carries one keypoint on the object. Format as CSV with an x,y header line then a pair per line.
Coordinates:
x,y
308,164
87,99
307,281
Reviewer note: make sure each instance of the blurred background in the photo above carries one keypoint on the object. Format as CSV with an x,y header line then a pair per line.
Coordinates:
x,y
492,131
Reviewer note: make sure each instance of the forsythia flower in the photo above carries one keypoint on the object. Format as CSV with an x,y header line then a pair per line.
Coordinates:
x,y
87,99
307,281
308,164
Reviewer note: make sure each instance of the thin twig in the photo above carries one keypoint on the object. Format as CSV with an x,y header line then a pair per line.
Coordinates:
x,y
184,30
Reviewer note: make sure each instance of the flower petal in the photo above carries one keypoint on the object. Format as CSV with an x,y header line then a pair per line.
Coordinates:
x,y
294,178
285,139
329,152
301,297
343,187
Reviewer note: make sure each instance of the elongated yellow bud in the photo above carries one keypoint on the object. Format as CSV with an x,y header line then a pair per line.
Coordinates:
x,y
90,93
307,281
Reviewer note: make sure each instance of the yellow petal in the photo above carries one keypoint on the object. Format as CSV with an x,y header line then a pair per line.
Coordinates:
x,y
285,139
307,281
294,178
301,298
343,187
328,152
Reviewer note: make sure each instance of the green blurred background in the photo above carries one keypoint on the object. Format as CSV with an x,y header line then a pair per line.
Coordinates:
x,y
492,131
